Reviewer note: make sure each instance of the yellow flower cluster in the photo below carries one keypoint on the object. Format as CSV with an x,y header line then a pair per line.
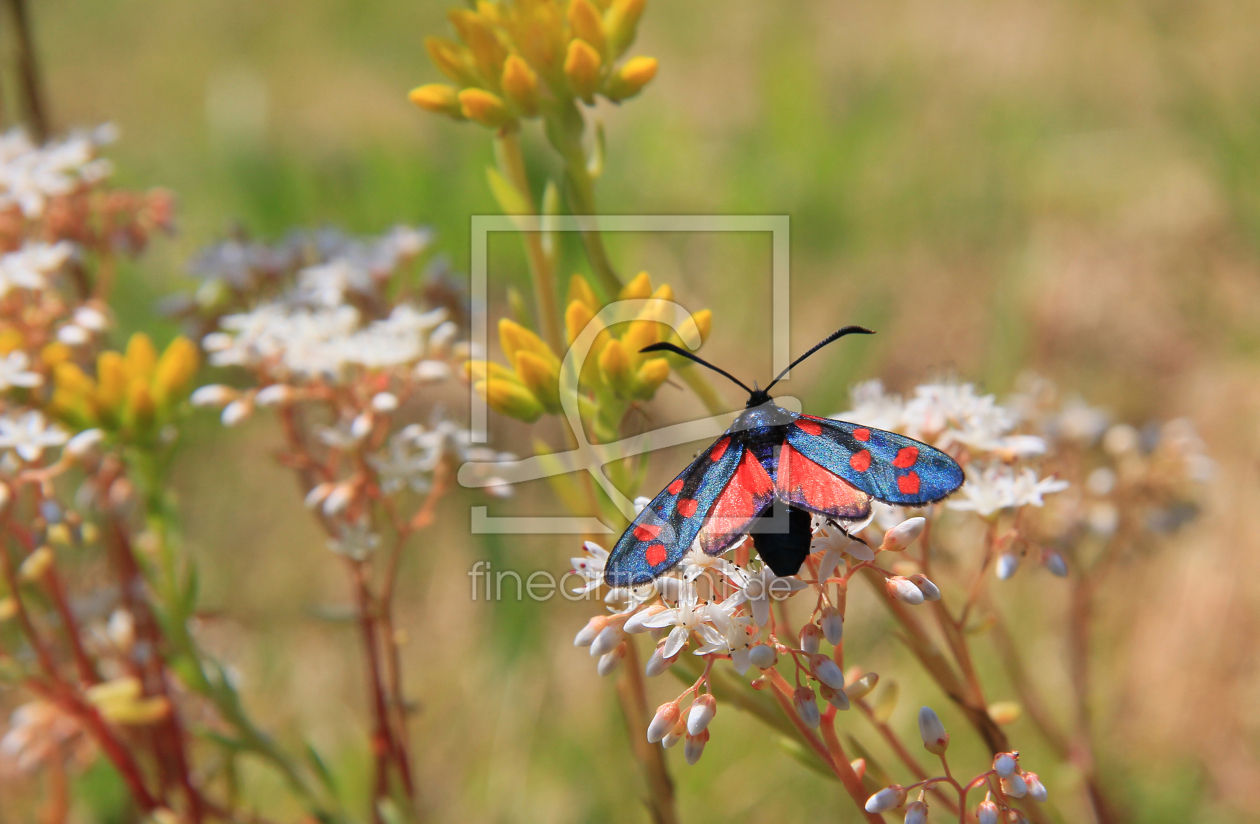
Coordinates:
x,y
134,391
614,373
522,58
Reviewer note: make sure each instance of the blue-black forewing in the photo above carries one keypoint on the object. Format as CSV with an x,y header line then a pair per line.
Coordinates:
x,y
663,532
889,467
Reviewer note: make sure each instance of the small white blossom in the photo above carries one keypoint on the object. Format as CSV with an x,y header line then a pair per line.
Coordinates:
x,y
15,371
30,435
999,487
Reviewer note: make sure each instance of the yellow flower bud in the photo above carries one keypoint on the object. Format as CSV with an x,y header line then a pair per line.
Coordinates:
x,y
511,399
111,376
55,353
485,107
141,358
651,375
639,287
587,24
36,564
630,79
487,52
579,289
475,370
576,318
581,67
119,690
614,362
439,98
639,334
175,370
520,84
542,378
704,323
452,59
513,338
141,408
72,397
10,339
137,713
620,22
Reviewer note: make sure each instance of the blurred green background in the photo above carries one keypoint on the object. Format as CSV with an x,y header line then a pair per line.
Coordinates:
x,y
1062,186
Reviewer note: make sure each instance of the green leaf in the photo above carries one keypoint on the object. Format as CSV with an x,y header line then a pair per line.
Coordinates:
x,y
320,768
511,200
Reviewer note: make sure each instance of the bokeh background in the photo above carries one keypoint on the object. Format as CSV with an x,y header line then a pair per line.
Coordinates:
x,y
1067,187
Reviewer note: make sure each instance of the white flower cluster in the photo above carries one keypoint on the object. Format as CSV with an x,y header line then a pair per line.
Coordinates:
x,y
30,175
31,266
414,452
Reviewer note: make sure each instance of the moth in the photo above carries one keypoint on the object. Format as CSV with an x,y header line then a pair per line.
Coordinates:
x,y
773,463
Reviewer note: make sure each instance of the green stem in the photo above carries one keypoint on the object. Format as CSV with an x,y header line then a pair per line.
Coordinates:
x,y
512,165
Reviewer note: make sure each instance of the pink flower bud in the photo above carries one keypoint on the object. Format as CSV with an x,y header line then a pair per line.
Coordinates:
x,y
932,731
832,625
634,624
678,733
1036,790
1005,765
904,590
586,635
889,798
916,812
700,714
1007,563
609,661
664,720
987,811
811,638
659,663
903,535
827,671
1015,786
929,589
806,706
695,746
763,656
609,637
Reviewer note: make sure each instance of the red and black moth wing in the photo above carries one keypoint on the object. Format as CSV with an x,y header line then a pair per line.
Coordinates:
x,y
665,529
884,465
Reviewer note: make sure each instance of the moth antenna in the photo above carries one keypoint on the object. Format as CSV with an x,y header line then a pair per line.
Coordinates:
x,y
669,347
834,336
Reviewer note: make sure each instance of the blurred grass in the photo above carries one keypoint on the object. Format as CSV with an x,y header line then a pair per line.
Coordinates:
x,y
1059,185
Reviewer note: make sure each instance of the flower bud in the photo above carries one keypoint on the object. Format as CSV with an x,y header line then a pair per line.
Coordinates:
x,y
212,395
932,731
236,411
836,698
275,395
84,443
806,706
609,637
987,811
438,98
609,661
1005,712
889,798
1036,790
832,625
620,23
903,534
862,686
384,401
634,624
858,765
695,746
484,107
338,499
659,663
930,591
581,68
904,590
520,84
1007,563
763,656
361,426
586,23
664,720
916,812
630,79
1015,786
1055,563
701,713
827,671
811,638
1005,765
587,634
678,733
37,564
510,398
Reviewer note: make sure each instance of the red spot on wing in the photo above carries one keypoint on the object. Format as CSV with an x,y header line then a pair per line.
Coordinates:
x,y
909,483
802,482
655,554
646,532
808,426
675,487
860,461
862,433
687,506
746,494
719,449
906,457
